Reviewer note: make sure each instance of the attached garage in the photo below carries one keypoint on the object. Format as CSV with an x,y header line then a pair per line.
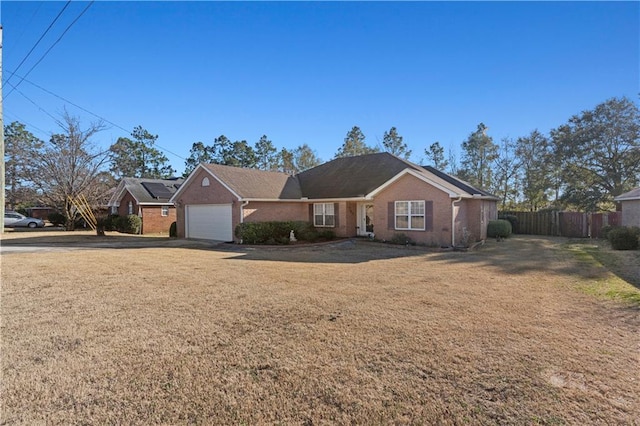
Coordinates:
x,y
209,221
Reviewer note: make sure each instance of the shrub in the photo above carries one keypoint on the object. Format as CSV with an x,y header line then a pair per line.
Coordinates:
x,y
173,230
604,231
513,220
500,228
275,232
57,219
131,224
327,234
624,238
401,239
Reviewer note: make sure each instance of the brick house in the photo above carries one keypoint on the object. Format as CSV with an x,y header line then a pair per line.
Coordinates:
x,y
149,199
377,195
630,205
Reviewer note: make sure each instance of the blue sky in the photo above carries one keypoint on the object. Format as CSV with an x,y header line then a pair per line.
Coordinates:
x,y
308,72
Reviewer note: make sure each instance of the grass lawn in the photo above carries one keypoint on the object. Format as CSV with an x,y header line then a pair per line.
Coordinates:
x,y
352,332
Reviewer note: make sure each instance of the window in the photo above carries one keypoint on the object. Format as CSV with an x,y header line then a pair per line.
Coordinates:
x,y
165,211
114,209
323,215
205,181
130,211
410,215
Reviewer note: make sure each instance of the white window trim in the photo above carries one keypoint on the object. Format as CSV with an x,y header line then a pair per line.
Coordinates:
x,y
410,215
164,211
324,215
205,181
130,208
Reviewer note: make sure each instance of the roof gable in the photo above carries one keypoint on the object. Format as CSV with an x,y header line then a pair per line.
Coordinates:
x,y
146,191
256,184
350,177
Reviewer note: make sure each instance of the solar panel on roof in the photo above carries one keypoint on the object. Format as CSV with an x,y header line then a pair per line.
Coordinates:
x,y
157,190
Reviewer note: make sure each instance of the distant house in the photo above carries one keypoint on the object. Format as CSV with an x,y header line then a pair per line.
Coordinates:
x,y
630,205
375,194
148,199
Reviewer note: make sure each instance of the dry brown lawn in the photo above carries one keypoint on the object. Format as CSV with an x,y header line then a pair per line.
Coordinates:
x,y
346,333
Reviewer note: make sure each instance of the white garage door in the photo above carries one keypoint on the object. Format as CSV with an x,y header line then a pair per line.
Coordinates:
x,y
209,222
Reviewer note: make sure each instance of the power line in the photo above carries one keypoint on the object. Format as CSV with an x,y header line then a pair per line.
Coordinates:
x,y
79,107
27,123
52,46
34,103
40,39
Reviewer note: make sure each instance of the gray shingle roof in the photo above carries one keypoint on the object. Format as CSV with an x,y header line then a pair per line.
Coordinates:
x,y
253,183
142,192
351,176
348,177
634,194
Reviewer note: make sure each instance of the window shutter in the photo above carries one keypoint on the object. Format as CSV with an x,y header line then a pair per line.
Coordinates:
x,y
391,215
311,214
428,216
336,215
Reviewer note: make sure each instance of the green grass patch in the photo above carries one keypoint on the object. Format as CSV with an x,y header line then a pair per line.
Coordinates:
x,y
598,269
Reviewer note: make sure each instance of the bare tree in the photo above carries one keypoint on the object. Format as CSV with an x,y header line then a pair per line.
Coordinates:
x,y
70,166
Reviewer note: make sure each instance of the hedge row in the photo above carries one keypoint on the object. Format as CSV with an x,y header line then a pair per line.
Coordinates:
x,y
279,232
131,224
623,237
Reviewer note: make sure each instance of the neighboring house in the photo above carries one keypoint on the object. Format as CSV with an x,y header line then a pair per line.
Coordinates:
x,y
375,194
630,205
149,199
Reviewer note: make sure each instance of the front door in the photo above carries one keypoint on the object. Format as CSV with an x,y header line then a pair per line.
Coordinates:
x,y
365,219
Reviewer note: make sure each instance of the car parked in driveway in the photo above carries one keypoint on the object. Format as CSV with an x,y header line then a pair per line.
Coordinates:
x,y
15,219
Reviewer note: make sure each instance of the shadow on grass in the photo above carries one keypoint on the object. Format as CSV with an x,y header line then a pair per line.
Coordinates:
x,y
344,251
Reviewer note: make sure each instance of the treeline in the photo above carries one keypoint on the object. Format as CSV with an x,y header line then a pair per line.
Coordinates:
x,y
581,164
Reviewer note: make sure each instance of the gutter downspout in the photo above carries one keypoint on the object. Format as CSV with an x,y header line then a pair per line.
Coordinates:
x,y
242,206
453,221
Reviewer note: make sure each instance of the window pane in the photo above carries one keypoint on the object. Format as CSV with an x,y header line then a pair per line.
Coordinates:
x,y
417,207
402,222
402,207
329,221
317,209
328,209
318,220
417,222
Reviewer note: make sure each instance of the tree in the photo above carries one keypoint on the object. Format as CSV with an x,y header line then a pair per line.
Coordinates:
x,y
286,161
354,144
435,156
199,153
266,154
242,155
71,166
534,156
479,152
601,149
21,149
305,158
506,173
138,157
392,143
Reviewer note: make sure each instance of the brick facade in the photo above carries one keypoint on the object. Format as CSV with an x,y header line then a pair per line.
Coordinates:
x,y
152,220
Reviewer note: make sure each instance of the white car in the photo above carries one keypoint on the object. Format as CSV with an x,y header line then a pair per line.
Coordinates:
x,y
15,219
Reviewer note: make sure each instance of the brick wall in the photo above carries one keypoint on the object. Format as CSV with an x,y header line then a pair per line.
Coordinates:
x,y
410,188
257,211
154,223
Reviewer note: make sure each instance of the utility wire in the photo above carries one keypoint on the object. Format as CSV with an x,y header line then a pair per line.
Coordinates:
x,y
81,108
24,27
36,105
52,46
16,118
41,37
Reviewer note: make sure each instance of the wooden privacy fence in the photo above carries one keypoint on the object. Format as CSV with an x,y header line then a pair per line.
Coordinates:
x,y
564,224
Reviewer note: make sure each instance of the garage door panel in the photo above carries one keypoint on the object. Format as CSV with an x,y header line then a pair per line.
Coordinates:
x,y
209,222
